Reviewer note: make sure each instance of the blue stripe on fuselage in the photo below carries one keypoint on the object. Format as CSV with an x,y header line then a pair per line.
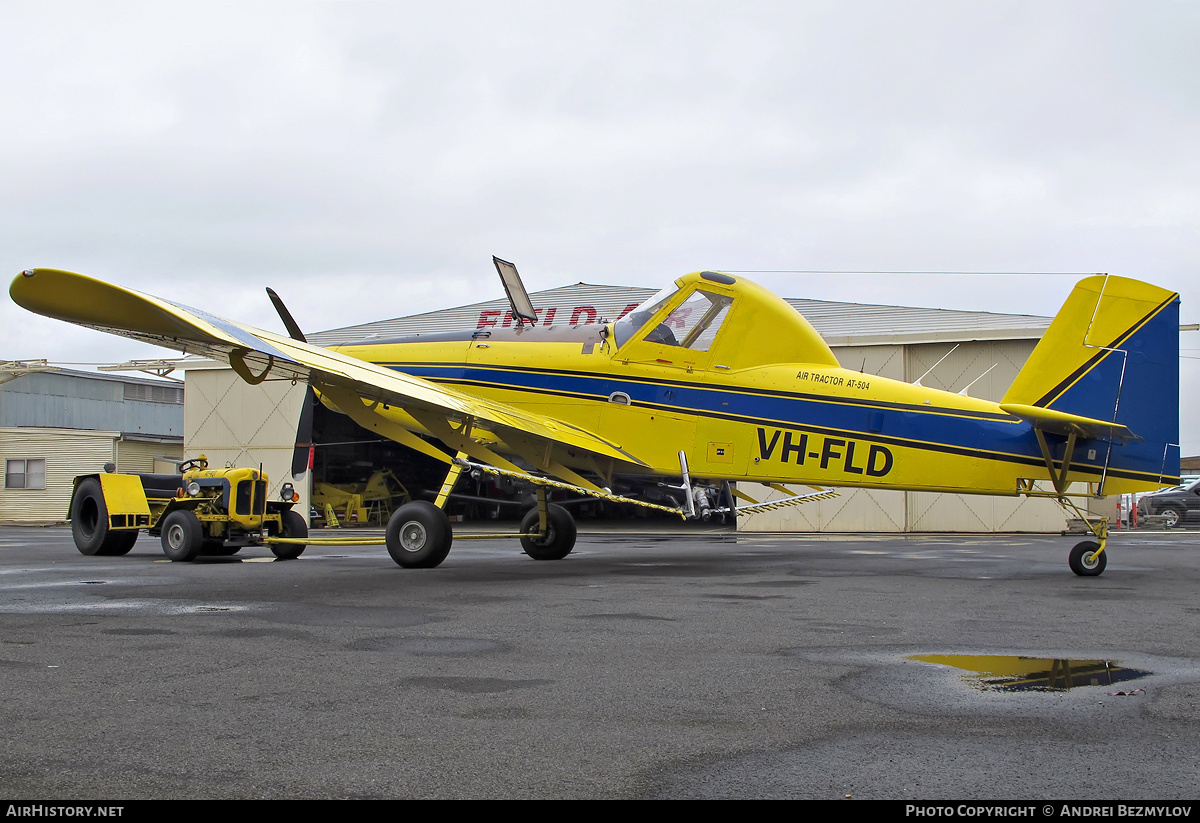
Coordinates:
x,y
963,432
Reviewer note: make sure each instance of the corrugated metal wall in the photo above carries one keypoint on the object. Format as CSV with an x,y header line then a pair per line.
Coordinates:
x,y
67,452
68,401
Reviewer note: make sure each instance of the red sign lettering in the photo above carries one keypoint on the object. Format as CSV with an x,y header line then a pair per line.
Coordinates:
x,y
579,310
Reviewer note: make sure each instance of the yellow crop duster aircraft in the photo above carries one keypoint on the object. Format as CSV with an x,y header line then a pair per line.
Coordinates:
x,y
716,378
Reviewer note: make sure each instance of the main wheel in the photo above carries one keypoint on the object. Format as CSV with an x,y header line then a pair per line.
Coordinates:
x,y
182,535
1085,561
560,534
419,535
293,526
89,523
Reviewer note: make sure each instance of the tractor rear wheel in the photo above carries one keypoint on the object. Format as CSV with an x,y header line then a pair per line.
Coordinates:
x,y
89,523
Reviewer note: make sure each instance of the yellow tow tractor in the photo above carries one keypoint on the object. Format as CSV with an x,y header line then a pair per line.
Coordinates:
x,y
198,511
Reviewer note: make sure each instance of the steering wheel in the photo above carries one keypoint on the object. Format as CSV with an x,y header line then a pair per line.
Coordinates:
x,y
188,465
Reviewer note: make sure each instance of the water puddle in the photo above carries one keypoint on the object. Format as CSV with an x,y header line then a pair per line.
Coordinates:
x,y
1014,673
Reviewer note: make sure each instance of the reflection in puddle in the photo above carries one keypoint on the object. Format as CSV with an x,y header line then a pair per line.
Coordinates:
x,y
1012,673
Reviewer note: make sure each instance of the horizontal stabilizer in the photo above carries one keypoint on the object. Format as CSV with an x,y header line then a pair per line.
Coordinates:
x,y
1063,423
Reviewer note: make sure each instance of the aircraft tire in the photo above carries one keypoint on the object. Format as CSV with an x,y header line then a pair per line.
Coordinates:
x,y
89,524
182,536
293,526
419,535
559,540
1085,562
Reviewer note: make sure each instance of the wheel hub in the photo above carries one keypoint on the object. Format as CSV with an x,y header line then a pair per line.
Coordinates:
x,y
413,536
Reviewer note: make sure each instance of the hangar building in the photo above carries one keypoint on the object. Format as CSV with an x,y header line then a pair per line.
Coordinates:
x,y
975,352
56,424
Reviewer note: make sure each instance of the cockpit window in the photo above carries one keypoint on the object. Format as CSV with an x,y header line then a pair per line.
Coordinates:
x,y
696,322
692,325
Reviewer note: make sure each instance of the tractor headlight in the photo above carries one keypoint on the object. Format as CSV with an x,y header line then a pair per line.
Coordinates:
x,y
287,493
193,488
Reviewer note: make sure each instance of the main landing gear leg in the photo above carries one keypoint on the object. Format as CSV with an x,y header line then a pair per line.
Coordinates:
x,y
419,533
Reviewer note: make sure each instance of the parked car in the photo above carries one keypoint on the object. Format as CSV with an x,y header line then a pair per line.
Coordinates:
x,y
1180,505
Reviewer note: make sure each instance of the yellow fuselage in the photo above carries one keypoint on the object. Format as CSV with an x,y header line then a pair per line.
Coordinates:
x,y
821,425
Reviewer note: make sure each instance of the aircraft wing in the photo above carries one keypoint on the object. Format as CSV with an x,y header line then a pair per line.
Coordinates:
x,y
257,355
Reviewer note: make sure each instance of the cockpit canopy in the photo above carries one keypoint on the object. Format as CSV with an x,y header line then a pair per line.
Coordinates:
x,y
711,319
693,324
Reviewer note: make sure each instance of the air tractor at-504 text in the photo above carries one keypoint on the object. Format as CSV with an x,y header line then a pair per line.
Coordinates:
x,y
711,381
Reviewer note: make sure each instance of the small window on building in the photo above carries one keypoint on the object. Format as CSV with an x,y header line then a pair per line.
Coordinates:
x,y
25,474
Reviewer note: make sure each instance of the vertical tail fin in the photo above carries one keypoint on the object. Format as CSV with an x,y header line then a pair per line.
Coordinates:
x,y
1112,353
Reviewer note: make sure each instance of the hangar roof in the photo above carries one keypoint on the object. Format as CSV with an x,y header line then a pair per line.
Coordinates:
x,y
841,324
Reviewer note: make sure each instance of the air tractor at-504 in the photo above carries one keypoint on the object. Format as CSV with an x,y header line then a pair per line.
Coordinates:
x,y
199,511
713,378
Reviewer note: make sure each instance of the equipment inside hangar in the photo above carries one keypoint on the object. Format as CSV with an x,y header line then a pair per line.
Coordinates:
x,y
363,477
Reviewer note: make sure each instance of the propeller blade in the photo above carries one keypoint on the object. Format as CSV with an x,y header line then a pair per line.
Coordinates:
x,y
289,323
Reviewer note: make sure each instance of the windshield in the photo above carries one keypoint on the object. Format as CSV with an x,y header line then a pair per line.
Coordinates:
x,y
630,324
693,324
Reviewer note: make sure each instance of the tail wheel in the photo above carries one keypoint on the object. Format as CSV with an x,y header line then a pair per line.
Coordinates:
x,y
419,535
1171,517
295,527
182,536
559,538
1087,560
89,523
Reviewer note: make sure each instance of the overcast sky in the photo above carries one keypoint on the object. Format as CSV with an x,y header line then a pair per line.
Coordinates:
x,y
367,159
